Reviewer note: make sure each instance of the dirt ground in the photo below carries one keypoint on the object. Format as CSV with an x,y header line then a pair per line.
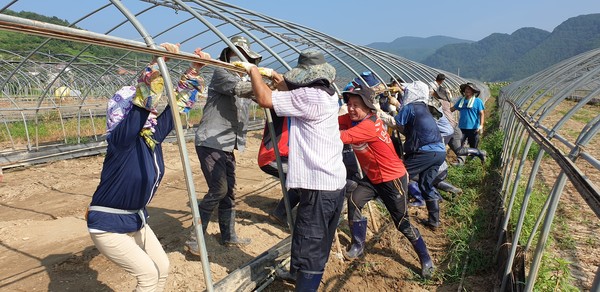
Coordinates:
x,y
45,246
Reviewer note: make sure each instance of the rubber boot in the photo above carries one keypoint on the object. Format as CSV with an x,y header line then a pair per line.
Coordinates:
x,y
481,154
227,227
307,282
433,213
427,267
448,187
413,191
191,244
460,160
359,234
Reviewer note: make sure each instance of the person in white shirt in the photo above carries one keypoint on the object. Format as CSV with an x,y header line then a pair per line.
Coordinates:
x,y
316,170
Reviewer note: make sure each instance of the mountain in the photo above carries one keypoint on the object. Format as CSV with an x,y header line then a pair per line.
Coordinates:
x,y
416,48
504,57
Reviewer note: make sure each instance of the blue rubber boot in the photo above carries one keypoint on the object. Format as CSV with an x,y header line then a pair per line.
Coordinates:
x,y
427,267
359,234
307,282
413,191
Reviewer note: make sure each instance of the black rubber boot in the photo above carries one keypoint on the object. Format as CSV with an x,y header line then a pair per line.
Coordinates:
x,y
448,187
433,211
481,154
460,160
308,282
427,267
191,244
227,227
359,234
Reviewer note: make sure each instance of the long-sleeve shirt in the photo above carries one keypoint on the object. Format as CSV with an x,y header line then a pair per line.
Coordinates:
x,y
131,172
373,147
224,120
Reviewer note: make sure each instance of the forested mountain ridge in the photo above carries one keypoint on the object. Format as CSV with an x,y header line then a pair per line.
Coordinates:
x,y
503,57
22,44
416,48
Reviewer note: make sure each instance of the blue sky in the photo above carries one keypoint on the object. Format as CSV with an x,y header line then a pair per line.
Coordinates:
x,y
364,22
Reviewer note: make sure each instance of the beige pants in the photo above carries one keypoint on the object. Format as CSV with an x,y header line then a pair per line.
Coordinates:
x,y
139,253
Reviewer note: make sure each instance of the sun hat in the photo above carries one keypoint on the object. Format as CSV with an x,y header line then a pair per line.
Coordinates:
x,y
464,86
119,106
365,93
311,66
243,45
368,77
415,91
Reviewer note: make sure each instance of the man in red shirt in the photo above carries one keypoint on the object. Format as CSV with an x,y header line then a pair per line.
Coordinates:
x,y
386,175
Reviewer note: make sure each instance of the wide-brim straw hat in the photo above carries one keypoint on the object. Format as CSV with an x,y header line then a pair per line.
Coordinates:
x,y
464,86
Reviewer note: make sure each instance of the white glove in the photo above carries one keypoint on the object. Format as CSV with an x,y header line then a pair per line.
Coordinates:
x,y
267,72
246,65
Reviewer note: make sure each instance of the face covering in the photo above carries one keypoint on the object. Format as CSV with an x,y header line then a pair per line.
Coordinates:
x,y
234,59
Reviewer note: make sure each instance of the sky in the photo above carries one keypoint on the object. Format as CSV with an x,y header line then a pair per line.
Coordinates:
x,y
365,22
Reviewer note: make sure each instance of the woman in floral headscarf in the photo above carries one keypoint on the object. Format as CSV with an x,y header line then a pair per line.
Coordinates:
x,y
132,171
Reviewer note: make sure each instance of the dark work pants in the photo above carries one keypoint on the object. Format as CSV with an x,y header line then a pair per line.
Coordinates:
x,y
314,229
393,194
218,168
455,141
425,165
471,136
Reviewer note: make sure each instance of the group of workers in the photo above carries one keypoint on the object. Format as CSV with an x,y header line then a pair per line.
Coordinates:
x,y
310,134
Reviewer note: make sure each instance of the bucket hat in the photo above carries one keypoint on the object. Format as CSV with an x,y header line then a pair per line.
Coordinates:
x,y
243,45
311,66
365,93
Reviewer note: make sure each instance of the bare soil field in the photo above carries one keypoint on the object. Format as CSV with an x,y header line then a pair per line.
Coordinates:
x,y
45,246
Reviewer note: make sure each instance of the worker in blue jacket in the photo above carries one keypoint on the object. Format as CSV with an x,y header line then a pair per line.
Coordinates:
x,y
131,173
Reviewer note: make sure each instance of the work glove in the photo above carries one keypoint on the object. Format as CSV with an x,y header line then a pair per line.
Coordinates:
x,y
151,84
267,72
246,65
394,89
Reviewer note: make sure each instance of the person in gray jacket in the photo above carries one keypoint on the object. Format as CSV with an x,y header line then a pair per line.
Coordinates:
x,y
222,129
